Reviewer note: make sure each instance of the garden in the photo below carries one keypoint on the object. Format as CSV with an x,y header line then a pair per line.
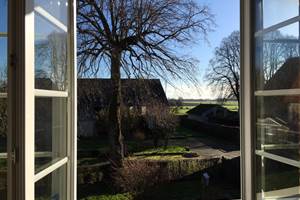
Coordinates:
x,y
156,169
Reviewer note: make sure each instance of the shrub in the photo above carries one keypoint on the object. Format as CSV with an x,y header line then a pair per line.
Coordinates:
x,y
132,122
136,176
161,122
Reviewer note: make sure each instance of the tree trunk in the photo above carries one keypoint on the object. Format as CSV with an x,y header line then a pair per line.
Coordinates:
x,y
116,137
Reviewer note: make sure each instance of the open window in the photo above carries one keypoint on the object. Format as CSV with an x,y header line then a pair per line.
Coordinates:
x,y
37,91
271,74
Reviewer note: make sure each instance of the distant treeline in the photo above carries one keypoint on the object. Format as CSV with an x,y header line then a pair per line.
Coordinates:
x,y
195,102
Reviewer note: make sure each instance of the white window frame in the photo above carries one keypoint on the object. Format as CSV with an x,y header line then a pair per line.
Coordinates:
x,y
246,144
22,93
248,94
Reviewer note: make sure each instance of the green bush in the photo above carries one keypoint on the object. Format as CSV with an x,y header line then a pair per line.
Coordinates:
x,y
125,196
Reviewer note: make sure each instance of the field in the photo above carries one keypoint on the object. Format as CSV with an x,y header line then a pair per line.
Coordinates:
x,y
190,104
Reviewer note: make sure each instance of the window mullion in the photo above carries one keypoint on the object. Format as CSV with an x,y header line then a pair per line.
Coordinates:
x,y
280,92
50,169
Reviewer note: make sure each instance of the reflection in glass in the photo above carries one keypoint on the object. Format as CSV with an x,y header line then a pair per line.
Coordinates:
x,y
50,45
50,131
56,8
3,136
3,17
277,57
276,180
3,64
53,186
275,11
278,125
3,99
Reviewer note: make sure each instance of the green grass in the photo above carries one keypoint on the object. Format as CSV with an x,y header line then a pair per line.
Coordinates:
x,y
88,161
101,145
125,196
231,107
185,133
162,151
182,110
94,143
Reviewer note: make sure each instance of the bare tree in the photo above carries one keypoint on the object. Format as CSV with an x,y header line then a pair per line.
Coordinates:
x,y
224,71
137,38
51,57
277,48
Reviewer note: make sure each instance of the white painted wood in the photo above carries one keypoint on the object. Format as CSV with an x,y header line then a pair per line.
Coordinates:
x,y
280,146
246,102
37,155
278,158
279,194
28,102
50,169
50,93
73,105
3,155
3,95
2,34
50,18
277,26
283,92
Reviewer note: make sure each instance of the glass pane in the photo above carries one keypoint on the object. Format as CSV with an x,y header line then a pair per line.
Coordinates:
x,y
51,45
3,18
271,9
3,151
57,8
278,125
50,131
53,186
277,57
3,99
276,180
3,64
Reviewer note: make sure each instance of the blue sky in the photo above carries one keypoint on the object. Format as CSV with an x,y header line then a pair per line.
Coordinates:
x,y
227,19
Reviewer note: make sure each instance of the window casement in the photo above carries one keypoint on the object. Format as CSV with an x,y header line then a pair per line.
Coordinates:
x,y
42,99
270,113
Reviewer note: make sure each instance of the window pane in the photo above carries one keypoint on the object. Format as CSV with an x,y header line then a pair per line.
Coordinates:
x,y
272,8
3,151
57,8
53,186
3,18
3,64
3,100
50,131
278,125
276,180
277,59
50,46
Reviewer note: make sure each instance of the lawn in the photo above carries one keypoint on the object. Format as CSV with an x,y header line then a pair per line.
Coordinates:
x,y
176,190
125,196
169,150
182,110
